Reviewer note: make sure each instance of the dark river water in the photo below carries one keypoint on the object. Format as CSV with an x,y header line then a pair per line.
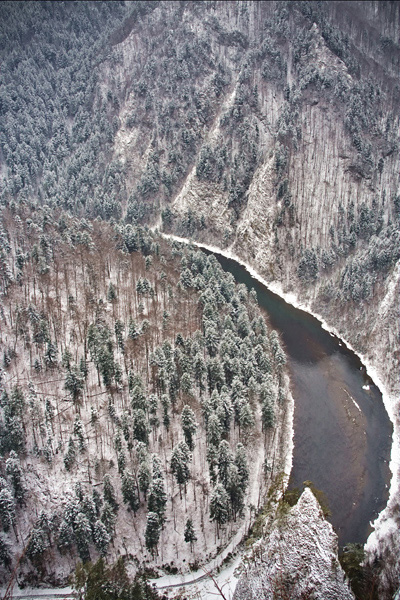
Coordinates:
x,y
342,433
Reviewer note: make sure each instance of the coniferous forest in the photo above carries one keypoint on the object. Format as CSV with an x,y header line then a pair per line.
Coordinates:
x,y
140,392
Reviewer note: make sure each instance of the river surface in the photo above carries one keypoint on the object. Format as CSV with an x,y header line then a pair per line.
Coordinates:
x,y
342,433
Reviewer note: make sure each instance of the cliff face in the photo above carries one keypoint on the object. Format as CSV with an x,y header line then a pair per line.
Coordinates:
x,y
288,563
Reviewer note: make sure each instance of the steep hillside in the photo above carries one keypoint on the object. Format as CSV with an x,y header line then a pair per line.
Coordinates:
x,y
143,400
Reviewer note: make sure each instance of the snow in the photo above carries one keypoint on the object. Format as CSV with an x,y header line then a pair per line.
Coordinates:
x,y
298,551
386,523
66,593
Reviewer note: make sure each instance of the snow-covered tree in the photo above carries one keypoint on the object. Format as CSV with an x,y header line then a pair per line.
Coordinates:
x,y
109,492
101,538
14,471
108,517
153,530
189,534
5,550
224,460
189,425
79,431
129,491
140,426
66,537
235,490
180,459
74,383
144,477
267,414
37,544
242,465
69,458
7,509
83,534
158,498
246,416
219,506
214,430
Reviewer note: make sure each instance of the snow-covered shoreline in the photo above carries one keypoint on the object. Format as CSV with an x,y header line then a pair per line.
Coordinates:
x,y
388,399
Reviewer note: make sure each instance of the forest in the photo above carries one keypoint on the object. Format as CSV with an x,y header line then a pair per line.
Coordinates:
x,y
140,391
137,379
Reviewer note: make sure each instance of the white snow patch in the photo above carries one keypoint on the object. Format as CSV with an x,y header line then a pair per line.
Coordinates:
x,y
352,399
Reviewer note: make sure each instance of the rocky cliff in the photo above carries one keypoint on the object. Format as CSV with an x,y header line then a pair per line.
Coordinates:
x,y
288,563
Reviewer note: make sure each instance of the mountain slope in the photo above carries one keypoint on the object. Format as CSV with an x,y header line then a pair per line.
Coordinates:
x,y
270,128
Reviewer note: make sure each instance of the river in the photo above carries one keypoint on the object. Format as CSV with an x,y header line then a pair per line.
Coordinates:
x,y
342,433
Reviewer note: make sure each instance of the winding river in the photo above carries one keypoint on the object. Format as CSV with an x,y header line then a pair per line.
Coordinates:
x,y
342,433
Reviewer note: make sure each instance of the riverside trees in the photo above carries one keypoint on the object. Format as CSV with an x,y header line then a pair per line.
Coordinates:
x,y
133,404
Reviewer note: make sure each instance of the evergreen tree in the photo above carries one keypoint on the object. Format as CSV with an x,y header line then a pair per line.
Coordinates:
x,y
108,518
140,427
246,417
225,460
144,477
235,490
101,538
7,509
66,537
153,406
242,465
225,411
119,330
37,544
153,530
14,471
121,460
133,331
69,458
267,415
83,534
74,383
180,459
129,491
157,470
50,356
219,505
80,434
166,403
111,293
186,383
189,425
5,551
109,493
199,368
158,499
214,430
189,534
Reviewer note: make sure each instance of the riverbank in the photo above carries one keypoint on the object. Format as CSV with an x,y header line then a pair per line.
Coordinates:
x,y
384,522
